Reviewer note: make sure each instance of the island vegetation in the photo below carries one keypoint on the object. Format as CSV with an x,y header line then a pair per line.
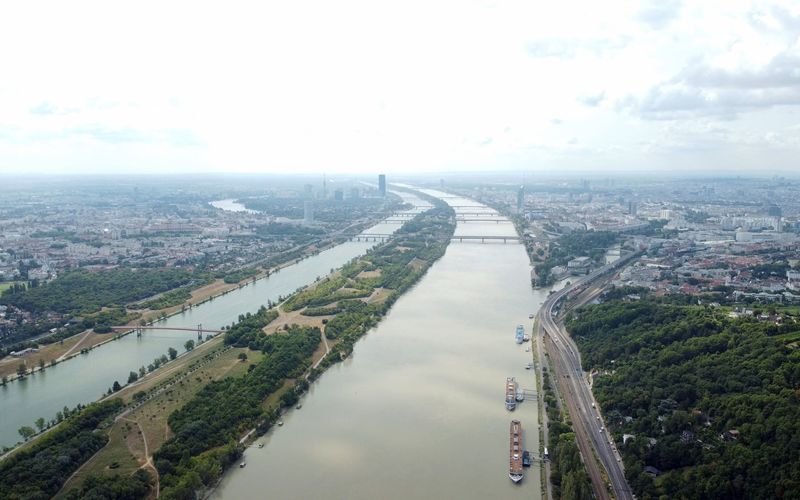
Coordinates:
x,y
206,429
40,470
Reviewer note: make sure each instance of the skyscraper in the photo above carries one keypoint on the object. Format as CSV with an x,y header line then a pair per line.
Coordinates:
x,y
382,185
520,199
308,212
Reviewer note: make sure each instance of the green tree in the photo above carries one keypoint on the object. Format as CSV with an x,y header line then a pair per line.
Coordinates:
x,y
41,364
133,377
173,353
21,369
40,423
189,345
242,356
116,386
142,371
26,432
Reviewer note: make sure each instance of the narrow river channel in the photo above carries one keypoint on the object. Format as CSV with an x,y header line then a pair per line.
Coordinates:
x,y
418,410
86,378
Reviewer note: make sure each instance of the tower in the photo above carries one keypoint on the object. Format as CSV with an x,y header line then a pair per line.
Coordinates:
x,y
382,185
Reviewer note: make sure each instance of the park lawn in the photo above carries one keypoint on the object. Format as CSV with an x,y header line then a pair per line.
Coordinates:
x,y
127,444
115,452
6,285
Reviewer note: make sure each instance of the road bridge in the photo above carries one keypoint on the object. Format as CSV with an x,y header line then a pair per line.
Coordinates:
x,y
461,238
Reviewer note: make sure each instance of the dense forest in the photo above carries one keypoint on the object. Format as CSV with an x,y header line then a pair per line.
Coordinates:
x,y
82,292
710,405
207,429
40,470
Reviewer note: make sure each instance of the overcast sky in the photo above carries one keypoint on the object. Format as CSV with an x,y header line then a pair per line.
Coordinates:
x,y
302,86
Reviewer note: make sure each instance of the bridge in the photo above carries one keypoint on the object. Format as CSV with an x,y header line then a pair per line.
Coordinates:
x,y
405,215
461,238
459,218
139,329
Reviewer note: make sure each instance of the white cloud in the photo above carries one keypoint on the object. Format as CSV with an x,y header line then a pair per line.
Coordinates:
x,y
373,85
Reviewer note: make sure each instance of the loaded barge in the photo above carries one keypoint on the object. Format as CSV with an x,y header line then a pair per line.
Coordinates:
x,y
515,471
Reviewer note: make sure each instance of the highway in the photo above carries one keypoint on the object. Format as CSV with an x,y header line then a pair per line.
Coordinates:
x,y
591,436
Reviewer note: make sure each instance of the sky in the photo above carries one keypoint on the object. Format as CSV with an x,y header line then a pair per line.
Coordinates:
x,y
401,86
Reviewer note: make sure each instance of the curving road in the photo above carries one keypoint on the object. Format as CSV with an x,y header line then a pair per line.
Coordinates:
x,y
592,438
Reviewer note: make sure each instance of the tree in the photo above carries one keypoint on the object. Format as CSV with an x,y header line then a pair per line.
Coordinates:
x,y
4,380
116,386
40,423
21,369
173,353
189,345
41,364
133,377
243,356
26,432
142,371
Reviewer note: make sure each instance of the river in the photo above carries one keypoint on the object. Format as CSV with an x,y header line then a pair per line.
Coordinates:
x,y
86,378
418,410
231,205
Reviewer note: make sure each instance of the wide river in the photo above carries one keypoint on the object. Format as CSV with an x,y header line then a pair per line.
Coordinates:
x,y
418,410
86,378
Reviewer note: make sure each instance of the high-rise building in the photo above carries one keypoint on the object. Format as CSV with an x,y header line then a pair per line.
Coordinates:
x,y
520,198
338,195
308,212
382,185
632,207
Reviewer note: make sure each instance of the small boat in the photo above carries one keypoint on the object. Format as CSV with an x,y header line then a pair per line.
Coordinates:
x,y
241,465
260,445
527,349
298,406
520,395
280,423
520,334
530,316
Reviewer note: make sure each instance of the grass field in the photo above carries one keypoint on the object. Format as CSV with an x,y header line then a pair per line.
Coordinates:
x,y
134,437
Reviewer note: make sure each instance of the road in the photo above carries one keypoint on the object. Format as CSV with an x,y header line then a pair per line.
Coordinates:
x,y
592,438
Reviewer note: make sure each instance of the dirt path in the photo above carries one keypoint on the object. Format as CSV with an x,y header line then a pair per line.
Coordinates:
x,y
78,343
148,458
